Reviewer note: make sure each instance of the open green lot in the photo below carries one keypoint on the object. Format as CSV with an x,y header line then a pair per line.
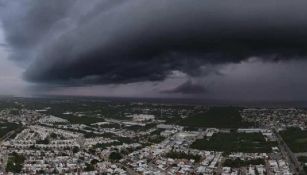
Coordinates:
x,y
302,159
15,163
7,127
237,163
218,117
234,142
296,139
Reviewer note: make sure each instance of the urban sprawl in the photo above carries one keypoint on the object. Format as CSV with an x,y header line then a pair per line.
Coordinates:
x,y
99,137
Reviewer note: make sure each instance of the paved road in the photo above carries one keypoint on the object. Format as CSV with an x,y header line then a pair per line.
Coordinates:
x,y
288,154
4,138
7,135
128,169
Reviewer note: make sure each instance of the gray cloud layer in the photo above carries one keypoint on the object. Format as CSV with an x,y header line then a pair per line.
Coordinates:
x,y
188,87
116,41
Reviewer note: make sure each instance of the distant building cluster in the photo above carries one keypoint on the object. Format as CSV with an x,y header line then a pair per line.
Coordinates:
x,y
142,144
276,118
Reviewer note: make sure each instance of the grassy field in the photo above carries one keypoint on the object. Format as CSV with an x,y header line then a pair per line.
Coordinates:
x,y
242,163
302,159
15,163
234,142
7,127
218,117
296,139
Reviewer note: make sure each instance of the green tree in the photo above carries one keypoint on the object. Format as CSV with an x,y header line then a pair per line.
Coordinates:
x,y
115,156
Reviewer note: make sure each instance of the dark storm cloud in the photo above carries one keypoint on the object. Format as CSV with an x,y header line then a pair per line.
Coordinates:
x,y
101,42
188,87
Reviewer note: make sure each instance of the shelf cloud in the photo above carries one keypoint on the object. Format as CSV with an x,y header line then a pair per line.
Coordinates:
x,y
76,42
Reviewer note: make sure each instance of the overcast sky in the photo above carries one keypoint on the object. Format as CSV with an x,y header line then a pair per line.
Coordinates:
x,y
10,74
230,50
